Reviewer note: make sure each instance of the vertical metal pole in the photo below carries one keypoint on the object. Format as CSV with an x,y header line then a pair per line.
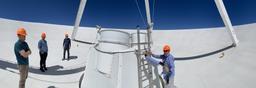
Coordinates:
x,y
138,39
149,30
224,15
148,12
149,38
139,57
150,24
78,18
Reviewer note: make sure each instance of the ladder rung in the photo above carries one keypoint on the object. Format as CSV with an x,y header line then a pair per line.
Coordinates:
x,y
143,76
145,64
147,86
144,69
145,79
142,59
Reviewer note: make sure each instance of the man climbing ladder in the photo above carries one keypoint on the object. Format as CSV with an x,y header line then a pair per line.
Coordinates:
x,y
167,63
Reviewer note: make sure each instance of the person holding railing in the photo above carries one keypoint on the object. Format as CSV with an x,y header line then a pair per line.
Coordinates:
x,y
167,63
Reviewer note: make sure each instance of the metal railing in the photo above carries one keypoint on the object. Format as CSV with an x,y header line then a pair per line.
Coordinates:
x,y
145,69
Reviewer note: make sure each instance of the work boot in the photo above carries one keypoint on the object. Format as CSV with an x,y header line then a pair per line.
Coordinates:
x,y
167,81
45,68
42,70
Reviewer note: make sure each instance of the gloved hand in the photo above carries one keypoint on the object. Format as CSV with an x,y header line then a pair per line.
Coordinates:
x,y
161,63
147,53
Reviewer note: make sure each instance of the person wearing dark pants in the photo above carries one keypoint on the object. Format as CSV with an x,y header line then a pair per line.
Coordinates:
x,y
43,57
43,52
64,54
66,46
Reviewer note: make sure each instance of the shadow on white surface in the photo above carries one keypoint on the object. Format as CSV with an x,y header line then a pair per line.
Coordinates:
x,y
52,70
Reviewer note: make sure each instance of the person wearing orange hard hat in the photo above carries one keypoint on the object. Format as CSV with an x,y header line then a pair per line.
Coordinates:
x,y
167,64
22,52
43,52
66,46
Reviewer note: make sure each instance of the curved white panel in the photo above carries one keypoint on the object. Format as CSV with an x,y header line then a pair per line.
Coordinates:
x,y
105,61
115,36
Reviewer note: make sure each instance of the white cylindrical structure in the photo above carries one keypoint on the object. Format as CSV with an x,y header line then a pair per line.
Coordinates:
x,y
115,36
110,40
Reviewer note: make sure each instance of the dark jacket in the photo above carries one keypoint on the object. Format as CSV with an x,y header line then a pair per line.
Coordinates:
x,y
21,45
66,43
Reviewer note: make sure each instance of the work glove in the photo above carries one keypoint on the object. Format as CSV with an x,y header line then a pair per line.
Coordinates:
x,y
146,53
161,63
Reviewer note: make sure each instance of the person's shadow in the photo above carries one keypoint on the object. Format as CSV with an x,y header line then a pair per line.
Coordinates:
x,y
71,58
51,87
52,70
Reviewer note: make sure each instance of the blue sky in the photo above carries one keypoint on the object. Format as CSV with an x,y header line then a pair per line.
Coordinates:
x,y
166,14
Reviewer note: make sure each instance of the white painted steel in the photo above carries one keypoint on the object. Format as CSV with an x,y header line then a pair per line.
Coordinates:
x,y
148,12
143,38
105,60
224,15
78,18
115,36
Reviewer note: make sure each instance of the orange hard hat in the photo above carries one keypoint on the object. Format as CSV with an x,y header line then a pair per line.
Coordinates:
x,y
43,34
21,31
167,48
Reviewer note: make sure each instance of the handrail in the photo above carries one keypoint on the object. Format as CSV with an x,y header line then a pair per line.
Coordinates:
x,y
114,52
113,42
139,57
114,30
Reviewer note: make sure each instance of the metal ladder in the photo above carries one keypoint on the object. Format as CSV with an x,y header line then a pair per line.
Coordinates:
x,y
145,75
